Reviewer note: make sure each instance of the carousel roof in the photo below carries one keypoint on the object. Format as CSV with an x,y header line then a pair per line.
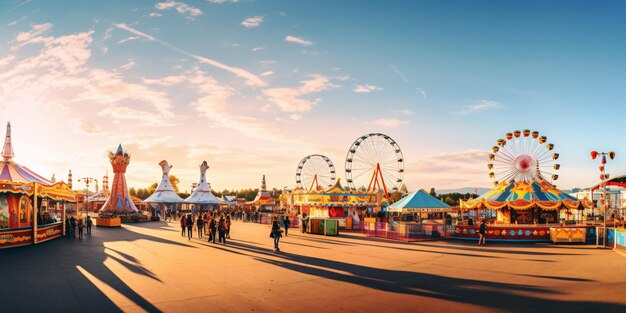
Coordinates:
x,y
21,175
336,188
202,193
165,192
522,196
263,197
416,201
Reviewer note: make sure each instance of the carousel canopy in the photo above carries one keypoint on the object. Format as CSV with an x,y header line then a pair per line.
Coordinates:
x,y
17,178
522,196
165,192
202,193
416,201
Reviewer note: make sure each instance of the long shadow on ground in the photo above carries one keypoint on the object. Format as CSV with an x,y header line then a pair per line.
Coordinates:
x,y
509,297
46,277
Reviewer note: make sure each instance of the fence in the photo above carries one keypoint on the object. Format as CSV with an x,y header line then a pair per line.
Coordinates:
x,y
407,231
616,238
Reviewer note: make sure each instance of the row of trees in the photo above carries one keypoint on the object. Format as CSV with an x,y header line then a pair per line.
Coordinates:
x,y
454,198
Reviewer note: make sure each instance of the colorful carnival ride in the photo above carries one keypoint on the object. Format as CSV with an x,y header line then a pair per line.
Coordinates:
x,y
374,169
524,204
32,208
263,200
119,204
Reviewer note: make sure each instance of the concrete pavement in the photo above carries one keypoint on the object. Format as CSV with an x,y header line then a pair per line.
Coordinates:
x,y
150,267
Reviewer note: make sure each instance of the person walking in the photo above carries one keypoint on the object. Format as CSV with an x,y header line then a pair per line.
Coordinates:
x,y
81,226
183,221
189,224
212,230
276,234
221,228
200,225
305,220
228,222
68,227
481,232
287,223
73,226
89,223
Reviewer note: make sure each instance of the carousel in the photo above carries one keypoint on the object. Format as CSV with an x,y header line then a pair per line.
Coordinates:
x,y
32,208
525,204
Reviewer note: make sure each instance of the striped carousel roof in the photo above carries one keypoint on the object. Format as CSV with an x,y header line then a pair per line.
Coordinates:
x,y
523,195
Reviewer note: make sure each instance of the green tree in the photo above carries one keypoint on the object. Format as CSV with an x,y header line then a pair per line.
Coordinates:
x,y
174,181
432,192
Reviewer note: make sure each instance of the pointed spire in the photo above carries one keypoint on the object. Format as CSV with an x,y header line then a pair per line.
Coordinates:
x,y
7,151
263,184
119,149
69,179
53,179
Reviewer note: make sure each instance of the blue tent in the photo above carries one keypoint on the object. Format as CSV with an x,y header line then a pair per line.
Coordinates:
x,y
419,200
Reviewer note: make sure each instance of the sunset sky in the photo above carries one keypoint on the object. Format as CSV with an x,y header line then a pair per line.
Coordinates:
x,y
254,86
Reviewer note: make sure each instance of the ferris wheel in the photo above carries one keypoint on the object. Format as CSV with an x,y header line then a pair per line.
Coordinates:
x,y
375,161
523,156
315,172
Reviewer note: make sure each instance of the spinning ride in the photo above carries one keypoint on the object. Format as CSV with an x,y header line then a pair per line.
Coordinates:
x,y
315,172
375,160
525,203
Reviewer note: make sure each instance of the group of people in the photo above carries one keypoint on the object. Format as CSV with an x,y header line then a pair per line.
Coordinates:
x,y
207,224
72,223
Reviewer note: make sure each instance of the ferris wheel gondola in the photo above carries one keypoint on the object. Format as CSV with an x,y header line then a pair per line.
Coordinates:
x,y
375,163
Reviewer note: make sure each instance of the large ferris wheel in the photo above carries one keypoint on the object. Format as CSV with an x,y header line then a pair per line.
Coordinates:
x,y
375,163
523,156
315,172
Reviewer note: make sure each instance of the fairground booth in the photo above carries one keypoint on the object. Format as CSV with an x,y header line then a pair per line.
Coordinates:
x,y
524,205
343,206
32,208
263,202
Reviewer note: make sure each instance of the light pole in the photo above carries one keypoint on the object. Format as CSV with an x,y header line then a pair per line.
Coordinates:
x,y
87,181
603,176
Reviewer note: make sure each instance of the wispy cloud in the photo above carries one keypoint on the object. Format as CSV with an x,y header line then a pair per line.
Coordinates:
x,y
181,7
257,49
128,65
223,1
396,70
252,22
17,21
290,99
267,73
388,123
131,38
250,78
154,14
422,92
481,105
298,40
403,112
15,7
366,88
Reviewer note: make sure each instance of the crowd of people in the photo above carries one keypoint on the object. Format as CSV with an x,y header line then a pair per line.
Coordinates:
x,y
214,225
72,224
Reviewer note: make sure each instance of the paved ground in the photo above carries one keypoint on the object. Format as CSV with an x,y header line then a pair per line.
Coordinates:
x,y
150,267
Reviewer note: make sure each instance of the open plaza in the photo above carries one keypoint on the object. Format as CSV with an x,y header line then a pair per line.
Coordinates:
x,y
151,267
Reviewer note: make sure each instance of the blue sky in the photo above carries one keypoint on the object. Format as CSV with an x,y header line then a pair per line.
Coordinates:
x,y
254,86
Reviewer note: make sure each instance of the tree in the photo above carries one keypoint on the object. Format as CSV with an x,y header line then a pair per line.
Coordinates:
x,y
174,181
432,192
403,190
